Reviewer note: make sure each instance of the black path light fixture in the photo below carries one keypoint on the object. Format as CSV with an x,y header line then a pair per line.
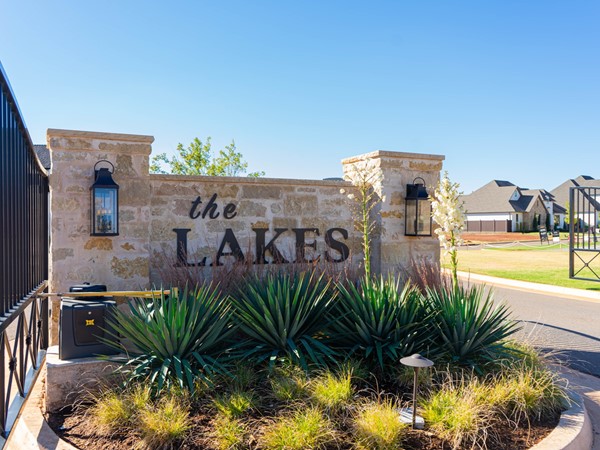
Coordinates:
x,y
105,201
417,213
417,362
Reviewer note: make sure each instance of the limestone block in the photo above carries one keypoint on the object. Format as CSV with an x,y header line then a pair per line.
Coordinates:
x,y
60,254
247,208
267,191
284,222
219,226
300,205
134,192
127,268
122,148
99,243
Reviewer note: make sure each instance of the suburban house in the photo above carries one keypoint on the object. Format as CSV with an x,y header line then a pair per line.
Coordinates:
x,y
502,206
561,197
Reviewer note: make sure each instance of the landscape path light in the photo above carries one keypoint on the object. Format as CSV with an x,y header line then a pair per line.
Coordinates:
x,y
105,201
417,362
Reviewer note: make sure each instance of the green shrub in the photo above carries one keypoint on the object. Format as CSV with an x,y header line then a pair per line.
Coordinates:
x,y
304,429
377,426
467,328
175,339
378,321
283,315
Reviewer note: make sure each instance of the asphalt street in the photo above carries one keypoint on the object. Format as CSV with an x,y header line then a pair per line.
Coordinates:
x,y
567,328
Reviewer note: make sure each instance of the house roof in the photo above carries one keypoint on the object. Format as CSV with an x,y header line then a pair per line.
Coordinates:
x,y
561,192
499,196
43,155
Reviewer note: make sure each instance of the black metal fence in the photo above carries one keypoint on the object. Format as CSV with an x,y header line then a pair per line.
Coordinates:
x,y
584,233
23,259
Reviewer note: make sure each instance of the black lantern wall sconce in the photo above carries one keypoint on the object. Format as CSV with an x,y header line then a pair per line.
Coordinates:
x,y
105,201
417,214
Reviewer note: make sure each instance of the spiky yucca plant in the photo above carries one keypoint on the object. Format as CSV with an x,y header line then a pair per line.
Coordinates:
x,y
176,338
467,327
378,320
282,315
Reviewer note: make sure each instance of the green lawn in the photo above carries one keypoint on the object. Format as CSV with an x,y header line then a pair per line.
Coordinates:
x,y
538,265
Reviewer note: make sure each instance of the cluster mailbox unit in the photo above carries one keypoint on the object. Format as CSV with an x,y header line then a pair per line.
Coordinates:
x,y
83,323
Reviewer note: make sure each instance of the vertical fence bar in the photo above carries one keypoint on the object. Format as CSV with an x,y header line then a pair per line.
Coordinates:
x,y
23,254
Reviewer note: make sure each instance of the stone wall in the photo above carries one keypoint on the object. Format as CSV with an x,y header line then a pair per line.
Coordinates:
x,y
217,219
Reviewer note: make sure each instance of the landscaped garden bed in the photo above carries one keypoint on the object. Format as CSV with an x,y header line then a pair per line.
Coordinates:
x,y
292,360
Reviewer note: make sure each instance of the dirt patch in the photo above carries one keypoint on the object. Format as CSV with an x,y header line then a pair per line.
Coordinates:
x,y
478,238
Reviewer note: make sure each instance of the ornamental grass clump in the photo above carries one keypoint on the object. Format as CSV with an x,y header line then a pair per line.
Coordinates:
x,y
332,391
528,393
235,404
377,426
289,383
228,433
303,429
378,321
177,339
165,424
283,316
456,413
111,411
467,328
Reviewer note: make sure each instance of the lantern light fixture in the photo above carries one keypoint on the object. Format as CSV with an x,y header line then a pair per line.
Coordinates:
x,y
417,209
105,201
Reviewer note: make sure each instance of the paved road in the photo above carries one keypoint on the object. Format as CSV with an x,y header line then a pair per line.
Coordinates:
x,y
568,328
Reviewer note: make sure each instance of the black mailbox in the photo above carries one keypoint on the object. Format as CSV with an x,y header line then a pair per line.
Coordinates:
x,y
83,324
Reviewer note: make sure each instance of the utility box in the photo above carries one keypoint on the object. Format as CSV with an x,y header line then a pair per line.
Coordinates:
x,y
83,324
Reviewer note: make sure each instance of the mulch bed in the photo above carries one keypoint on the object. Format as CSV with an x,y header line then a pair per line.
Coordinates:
x,y
77,429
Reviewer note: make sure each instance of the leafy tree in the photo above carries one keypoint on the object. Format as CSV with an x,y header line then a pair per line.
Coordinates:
x,y
198,159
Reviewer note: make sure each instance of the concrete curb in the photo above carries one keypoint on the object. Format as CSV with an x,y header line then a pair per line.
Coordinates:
x,y
574,430
579,294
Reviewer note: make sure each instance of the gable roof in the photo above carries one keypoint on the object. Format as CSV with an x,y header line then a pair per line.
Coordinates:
x,y
499,196
561,192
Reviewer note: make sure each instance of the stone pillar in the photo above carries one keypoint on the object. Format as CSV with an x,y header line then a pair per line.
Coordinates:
x,y
121,262
392,171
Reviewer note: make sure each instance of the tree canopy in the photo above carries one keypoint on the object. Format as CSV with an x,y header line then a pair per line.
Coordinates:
x,y
198,159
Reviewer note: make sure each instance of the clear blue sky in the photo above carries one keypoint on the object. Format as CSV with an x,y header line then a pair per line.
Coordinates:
x,y
504,89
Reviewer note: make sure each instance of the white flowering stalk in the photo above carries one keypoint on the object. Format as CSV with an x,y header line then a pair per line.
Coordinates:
x,y
448,213
365,176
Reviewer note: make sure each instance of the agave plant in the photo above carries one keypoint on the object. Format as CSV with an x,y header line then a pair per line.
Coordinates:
x,y
378,320
467,327
283,315
177,338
